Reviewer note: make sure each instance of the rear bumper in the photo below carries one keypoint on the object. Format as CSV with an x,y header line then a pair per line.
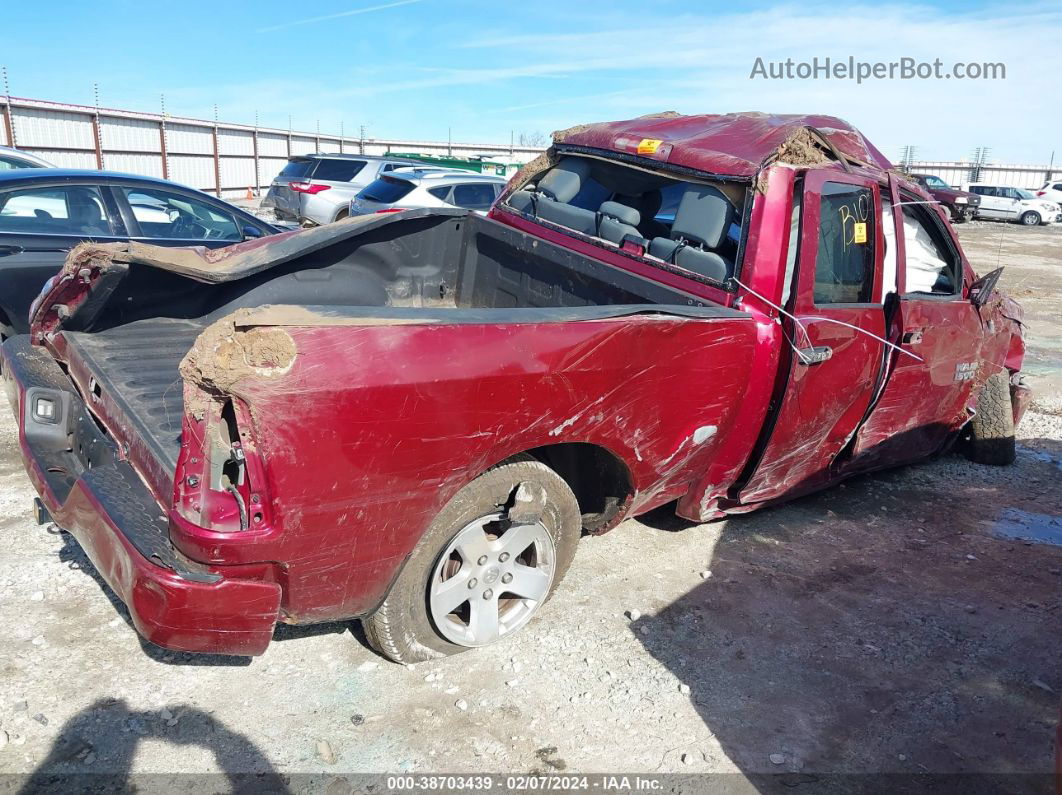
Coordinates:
x,y
98,498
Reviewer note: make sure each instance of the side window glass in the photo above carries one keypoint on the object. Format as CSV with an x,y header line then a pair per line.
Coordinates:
x,y
77,210
161,214
473,195
440,192
844,263
930,266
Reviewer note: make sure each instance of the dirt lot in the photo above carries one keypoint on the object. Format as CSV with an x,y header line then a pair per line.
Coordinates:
x,y
883,626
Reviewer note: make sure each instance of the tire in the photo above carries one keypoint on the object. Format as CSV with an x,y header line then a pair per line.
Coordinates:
x,y
992,427
1030,218
411,626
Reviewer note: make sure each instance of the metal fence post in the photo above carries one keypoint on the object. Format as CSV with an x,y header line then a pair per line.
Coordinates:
x,y
217,156
96,128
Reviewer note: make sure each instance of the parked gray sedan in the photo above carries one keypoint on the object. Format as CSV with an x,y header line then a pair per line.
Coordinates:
x,y
316,189
412,188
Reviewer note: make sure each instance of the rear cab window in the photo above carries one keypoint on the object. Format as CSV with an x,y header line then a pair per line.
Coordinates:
x,y
692,227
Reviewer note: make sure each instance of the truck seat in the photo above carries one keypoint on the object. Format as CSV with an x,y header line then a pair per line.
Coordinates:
x,y
556,188
702,219
616,221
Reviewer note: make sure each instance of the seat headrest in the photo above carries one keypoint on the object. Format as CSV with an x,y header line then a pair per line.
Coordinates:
x,y
703,216
621,212
647,204
563,181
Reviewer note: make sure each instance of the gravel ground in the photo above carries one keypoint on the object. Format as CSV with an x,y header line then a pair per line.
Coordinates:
x,y
881,626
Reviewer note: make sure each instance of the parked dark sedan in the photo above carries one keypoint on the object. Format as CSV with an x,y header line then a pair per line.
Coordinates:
x,y
44,212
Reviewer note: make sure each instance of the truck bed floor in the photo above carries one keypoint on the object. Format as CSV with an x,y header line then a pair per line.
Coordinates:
x,y
136,365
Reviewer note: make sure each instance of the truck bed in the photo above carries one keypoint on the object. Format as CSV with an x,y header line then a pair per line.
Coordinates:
x,y
136,364
441,267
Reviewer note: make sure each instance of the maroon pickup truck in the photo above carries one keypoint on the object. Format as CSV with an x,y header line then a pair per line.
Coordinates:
x,y
410,418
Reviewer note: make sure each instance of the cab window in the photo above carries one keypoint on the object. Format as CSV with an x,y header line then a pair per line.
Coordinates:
x,y
844,264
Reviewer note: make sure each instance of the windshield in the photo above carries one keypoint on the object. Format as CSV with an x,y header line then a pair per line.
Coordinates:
x,y
936,182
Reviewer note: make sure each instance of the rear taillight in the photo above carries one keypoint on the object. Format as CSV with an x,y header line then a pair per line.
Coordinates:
x,y
307,187
389,210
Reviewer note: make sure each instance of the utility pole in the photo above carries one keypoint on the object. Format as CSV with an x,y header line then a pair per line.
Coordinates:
x,y
361,139
449,142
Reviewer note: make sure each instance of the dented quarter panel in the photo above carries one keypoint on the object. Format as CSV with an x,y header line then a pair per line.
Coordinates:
x,y
359,464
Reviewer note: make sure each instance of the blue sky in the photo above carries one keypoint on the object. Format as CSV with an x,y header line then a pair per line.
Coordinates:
x,y
416,68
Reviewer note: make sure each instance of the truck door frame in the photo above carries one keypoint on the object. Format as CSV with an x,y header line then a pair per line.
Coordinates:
x,y
825,398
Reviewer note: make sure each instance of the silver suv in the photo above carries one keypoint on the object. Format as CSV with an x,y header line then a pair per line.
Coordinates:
x,y
412,188
317,188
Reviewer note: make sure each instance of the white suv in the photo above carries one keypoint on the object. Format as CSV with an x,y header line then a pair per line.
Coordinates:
x,y
316,189
1051,191
1014,204
413,188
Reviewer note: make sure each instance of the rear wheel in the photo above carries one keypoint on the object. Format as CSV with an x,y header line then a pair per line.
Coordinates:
x,y
991,438
489,561
1030,218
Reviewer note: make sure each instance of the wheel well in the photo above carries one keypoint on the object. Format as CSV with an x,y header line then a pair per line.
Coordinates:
x,y
600,480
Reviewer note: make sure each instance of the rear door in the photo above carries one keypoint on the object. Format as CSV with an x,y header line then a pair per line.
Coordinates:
x,y
837,362
924,399
38,226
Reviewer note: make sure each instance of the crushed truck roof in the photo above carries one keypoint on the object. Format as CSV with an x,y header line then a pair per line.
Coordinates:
x,y
733,144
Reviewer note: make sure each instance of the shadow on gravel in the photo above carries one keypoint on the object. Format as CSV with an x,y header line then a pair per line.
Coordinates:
x,y
95,749
74,556
876,629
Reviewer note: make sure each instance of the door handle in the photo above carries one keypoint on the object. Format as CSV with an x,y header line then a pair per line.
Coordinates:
x,y
6,251
913,337
815,355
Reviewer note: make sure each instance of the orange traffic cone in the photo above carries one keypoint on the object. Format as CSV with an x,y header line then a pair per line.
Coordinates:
x,y
250,194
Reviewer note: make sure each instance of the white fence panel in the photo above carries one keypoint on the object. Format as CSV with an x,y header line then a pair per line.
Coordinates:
x,y
235,142
303,146
129,135
35,127
270,144
65,159
269,167
237,173
195,172
189,139
148,165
